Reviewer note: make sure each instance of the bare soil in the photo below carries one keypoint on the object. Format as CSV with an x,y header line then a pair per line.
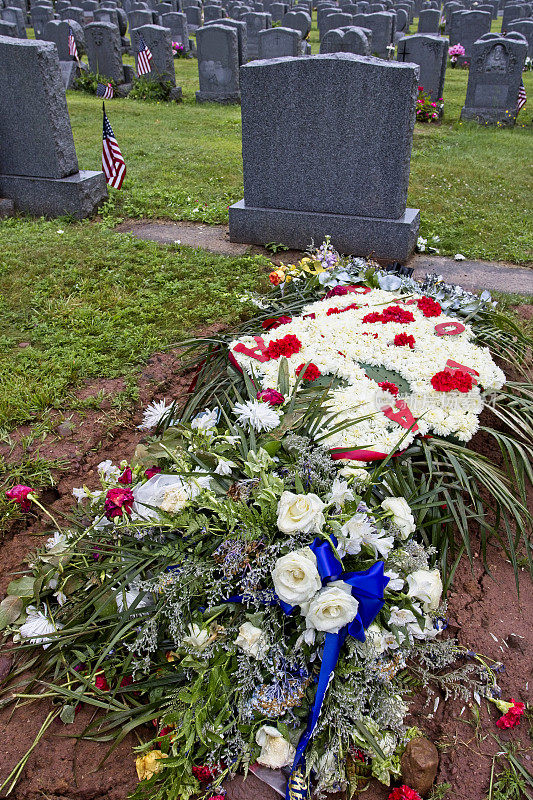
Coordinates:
x,y
485,614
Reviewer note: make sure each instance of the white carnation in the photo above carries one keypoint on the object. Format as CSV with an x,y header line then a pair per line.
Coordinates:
x,y
154,414
256,415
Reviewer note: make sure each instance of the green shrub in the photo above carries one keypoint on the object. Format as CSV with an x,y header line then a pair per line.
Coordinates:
x,y
88,81
144,89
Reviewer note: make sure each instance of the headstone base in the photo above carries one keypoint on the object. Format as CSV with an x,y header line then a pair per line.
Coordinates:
x,y
123,89
7,208
175,93
393,239
224,99
69,72
78,195
489,116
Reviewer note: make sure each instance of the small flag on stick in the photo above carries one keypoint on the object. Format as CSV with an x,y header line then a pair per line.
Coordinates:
x,y
105,91
72,49
144,57
522,97
113,164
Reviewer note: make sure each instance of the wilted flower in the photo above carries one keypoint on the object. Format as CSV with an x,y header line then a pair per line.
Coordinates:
x,y
38,627
149,765
21,495
276,752
118,501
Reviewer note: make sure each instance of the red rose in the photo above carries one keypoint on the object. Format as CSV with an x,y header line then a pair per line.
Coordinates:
x,y
402,339
311,372
387,386
118,501
287,346
19,494
271,396
404,793
151,471
272,323
101,683
429,307
126,476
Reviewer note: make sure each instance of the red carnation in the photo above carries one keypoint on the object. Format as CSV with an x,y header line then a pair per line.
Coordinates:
x,y
151,471
20,494
217,797
337,291
101,683
126,477
390,314
403,339
420,88
374,316
127,680
271,396
275,322
118,501
512,718
204,774
387,386
404,793
449,379
287,346
333,310
311,372
429,307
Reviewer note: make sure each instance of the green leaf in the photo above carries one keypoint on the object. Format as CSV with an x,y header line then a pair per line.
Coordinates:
x,y
23,587
380,374
10,609
67,714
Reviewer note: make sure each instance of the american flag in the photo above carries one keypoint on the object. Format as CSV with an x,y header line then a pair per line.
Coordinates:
x,y
72,49
113,164
522,97
105,91
144,57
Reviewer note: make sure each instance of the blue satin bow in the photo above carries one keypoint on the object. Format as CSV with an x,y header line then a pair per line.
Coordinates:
x,y
368,587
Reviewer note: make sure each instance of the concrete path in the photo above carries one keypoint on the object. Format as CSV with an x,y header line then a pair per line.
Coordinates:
x,y
471,275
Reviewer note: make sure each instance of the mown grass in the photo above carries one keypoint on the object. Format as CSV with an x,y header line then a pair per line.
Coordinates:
x,y
473,185
91,303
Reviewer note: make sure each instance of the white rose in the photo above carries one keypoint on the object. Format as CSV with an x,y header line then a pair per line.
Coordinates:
x,y
276,752
375,635
332,608
426,586
401,514
251,640
296,577
197,638
300,513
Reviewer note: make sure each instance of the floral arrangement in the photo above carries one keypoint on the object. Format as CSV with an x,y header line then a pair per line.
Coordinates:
x,y
243,593
427,110
178,50
454,52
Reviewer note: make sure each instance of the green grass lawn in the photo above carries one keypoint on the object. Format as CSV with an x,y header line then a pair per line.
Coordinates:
x,y
94,303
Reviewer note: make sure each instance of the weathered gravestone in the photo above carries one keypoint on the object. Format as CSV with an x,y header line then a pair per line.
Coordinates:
x,y
159,43
242,37
73,12
176,22
299,21
139,18
40,15
382,26
16,17
449,8
511,13
525,27
402,22
428,21
38,164
104,51
430,53
218,64
255,22
466,27
194,17
348,179
277,11
8,29
494,78
280,42
213,13
348,40
57,31
333,20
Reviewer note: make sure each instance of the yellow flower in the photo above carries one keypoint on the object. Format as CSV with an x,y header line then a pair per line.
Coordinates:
x,y
148,764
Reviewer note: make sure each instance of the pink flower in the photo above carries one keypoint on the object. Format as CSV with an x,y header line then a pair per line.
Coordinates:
x,y
271,396
20,494
117,502
151,471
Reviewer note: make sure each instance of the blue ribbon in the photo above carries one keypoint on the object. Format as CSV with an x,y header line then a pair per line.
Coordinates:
x,y
368,587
